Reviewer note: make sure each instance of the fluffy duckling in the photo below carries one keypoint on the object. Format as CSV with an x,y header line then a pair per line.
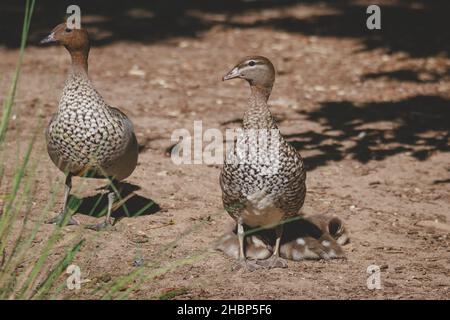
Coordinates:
x,y
86,137
314,237
311,238
269,188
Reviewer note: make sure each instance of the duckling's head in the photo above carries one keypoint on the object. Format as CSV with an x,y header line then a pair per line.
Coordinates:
x,y
337,230
257,70
73,39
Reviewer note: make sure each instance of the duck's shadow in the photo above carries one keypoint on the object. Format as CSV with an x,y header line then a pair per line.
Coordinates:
x,y
128,204
297,228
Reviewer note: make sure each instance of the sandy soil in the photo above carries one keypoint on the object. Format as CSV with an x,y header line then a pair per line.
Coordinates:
x,y
369,113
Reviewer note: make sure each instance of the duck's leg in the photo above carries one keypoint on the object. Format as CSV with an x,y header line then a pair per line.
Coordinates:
x,y
243,262
107,223
275,261
61,219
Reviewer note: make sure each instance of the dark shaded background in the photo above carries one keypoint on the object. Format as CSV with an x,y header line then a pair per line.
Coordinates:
x,y
420,28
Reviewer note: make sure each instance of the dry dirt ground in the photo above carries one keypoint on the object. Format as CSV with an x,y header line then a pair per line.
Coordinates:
x,y
368,112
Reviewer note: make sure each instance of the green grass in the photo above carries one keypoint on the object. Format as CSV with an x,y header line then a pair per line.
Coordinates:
x,y
171,294
17,196
17,190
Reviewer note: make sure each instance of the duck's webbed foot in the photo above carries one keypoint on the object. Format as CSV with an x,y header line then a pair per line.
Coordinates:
x,y
107,224
248,265
61,220
102,226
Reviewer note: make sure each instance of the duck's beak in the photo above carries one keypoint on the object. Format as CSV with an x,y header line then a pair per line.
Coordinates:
x,y
234,73
49,39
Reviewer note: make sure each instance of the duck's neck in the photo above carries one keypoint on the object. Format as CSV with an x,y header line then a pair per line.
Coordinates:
x,y
258,115
78,87
79,64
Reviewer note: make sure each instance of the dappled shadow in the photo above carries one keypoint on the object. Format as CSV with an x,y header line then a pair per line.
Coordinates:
x,y
444,180
142,21
409,75
134,206
419,28
375,131
298,227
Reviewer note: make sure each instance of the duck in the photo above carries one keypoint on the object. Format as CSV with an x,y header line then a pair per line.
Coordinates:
x,y
314,237
268,188
86,137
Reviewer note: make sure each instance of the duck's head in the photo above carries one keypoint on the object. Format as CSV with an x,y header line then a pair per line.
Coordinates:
x,y
73,39
257,70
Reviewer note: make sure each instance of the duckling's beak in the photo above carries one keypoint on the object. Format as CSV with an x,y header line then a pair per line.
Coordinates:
x,y
49,39
234,73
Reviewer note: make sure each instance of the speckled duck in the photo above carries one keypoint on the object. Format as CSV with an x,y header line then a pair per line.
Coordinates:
x,y
86,137
250,195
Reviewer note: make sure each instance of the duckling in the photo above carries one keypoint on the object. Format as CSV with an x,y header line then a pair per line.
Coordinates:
x,y
311,238
267,189
86,137
256,247
314,237
332,225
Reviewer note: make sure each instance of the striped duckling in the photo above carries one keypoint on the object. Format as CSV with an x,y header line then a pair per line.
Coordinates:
x,y
310,238
86,137
265,189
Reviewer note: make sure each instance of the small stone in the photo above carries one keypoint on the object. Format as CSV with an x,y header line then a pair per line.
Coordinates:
x,y
319,88
136,71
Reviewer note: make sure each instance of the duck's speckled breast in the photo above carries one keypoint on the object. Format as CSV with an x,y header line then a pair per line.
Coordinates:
x,y
86,132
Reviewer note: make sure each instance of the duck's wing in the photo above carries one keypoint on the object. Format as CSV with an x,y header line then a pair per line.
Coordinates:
x,y
47,130
294,193
119,114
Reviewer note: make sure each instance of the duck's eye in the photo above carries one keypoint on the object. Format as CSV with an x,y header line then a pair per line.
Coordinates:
x,y
251,63
68,30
